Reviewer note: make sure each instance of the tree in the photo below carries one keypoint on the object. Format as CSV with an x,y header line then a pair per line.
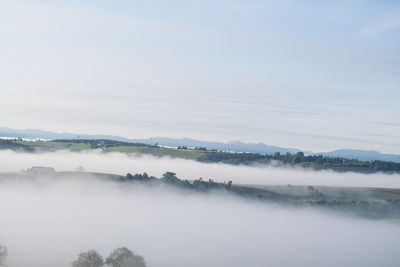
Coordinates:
x,y
170,177
123,257
90,258
3,255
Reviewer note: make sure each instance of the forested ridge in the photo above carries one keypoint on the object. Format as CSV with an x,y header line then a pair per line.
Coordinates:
x,y
356,204
299,159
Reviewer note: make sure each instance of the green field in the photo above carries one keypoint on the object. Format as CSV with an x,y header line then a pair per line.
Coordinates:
x,y
51,145
45,144
157,151
78,147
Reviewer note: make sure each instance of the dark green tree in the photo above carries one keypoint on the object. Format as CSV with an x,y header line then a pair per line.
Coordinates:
x,y
90,258
3,255
123,257
170,178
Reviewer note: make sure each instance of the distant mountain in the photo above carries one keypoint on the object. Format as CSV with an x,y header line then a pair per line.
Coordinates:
x,y
235,146
37,133
238,146
31,133
362,155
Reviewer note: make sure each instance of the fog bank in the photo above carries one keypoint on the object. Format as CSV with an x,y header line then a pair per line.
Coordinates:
x,y
120,163
46,223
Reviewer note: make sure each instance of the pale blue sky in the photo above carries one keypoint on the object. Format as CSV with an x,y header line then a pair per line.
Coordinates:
x,y
316,75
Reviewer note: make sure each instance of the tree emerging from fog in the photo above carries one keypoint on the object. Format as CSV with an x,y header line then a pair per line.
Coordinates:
x,y
123,257
90,258
3,255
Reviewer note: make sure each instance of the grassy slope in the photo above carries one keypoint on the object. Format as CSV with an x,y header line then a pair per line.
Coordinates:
x,y
156,151
174,153
372,203
78,147
332,192
51,146
265,191
44,144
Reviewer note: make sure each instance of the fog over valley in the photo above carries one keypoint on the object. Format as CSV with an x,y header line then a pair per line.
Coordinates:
x,y
120,163
48,221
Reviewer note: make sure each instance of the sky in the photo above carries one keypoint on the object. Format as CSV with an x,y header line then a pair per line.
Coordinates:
x,y
315,75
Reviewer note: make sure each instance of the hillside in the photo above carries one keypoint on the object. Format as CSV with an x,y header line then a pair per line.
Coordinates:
x,y
200,154
373,203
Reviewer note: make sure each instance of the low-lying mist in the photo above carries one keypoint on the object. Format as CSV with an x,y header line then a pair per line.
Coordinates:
x,y
119,163
48,221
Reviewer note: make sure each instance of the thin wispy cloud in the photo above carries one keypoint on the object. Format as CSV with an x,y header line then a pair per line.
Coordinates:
x,y
390,22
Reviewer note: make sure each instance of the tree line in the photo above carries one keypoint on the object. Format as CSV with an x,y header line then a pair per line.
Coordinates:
x,y
368,208
316,162
13,145
119,257
170,178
